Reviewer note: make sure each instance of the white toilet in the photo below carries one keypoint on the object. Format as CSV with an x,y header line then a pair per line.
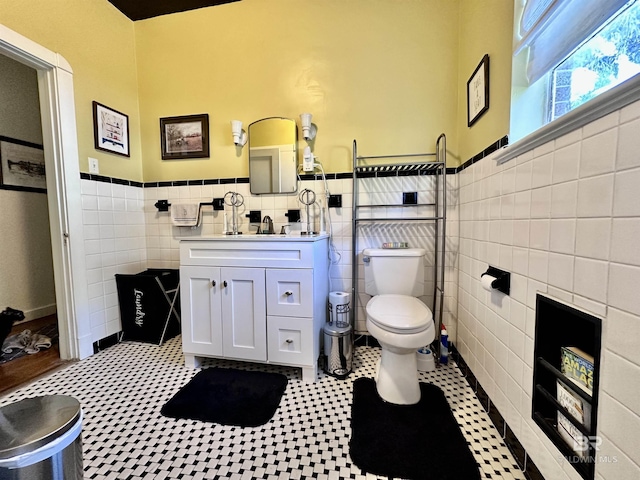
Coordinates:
x,y
397,319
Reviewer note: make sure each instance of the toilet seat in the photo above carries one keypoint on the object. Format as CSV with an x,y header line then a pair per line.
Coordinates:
x,y
400,314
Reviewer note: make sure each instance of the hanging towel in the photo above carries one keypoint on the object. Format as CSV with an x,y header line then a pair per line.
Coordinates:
x,y
185,215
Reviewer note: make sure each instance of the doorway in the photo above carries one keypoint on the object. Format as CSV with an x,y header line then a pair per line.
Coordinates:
x,y
59,139
26,265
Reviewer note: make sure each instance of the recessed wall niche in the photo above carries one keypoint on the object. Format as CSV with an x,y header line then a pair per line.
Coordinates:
x,y
566,408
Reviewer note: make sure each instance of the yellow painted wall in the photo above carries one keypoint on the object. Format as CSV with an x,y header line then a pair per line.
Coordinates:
x,y
382,72
98,42
485,28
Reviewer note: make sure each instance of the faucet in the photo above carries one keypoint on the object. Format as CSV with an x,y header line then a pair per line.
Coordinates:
x,y
267,224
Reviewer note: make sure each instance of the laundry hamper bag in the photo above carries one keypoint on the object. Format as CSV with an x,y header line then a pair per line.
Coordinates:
x,y
149,305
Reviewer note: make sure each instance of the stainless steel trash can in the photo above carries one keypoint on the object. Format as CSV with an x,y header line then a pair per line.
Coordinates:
x,y
338,350
41,438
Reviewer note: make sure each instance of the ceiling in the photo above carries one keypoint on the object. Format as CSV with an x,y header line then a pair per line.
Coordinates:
x,y
141,9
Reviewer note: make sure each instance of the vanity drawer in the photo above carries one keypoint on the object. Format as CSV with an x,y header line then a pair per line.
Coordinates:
x,y
290,292
290,340
247,253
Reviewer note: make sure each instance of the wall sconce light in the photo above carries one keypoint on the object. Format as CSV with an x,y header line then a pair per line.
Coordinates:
x,y
309,130
239,135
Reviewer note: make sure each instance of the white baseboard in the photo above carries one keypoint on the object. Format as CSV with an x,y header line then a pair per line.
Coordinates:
x,y
36,313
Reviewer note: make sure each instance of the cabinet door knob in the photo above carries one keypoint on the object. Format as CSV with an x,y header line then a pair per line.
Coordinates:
x,y
224,283
288,293
213,283
288,340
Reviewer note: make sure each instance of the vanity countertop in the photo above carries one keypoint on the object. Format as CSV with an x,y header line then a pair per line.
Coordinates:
x,y
293,237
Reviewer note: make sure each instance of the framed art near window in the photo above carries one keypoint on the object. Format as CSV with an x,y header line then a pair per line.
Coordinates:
x,y
185,137
478,92
22,166
110,130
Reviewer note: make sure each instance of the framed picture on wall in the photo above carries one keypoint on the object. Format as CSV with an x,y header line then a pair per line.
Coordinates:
x,y
110,130
22,165
478,92
185,137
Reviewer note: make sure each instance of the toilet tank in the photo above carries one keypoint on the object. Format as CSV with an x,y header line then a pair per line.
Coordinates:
x,y
394,271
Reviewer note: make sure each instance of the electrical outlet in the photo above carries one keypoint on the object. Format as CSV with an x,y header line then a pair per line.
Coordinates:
x,y
307,160
335,201
93,165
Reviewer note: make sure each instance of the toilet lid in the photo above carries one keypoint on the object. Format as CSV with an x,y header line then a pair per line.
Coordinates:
x,y
399,313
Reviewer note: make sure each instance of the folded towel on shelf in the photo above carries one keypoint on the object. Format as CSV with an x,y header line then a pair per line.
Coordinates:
x,y
36,342
185,215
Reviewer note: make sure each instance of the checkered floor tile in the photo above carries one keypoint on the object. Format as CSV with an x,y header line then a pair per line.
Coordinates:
x,y
122,389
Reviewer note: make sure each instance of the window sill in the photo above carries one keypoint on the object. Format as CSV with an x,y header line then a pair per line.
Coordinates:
x,y
606,103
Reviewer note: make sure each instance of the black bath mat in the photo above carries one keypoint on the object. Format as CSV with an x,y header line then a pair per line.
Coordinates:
x,y
421,441
229,397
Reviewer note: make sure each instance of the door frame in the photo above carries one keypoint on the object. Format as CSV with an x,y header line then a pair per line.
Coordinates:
x,y
59,135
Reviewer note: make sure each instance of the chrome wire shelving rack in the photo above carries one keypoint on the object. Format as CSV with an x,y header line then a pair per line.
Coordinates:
x,y
434,163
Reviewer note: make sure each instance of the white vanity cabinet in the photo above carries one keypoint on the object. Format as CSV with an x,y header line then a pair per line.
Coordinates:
x,y
261,299
225,308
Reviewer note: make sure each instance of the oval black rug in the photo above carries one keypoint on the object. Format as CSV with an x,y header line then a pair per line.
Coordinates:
x,y
229,397
421,441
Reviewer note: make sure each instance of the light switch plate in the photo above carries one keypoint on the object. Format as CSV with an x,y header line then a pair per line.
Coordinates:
x,y
93,165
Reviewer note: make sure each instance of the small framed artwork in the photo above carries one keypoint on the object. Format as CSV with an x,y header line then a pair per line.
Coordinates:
x,y
22,166
110,130
185,137
478,92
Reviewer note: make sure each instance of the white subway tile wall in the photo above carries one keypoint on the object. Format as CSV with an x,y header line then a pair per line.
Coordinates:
x,y
110,233
576,217
163,237
115,242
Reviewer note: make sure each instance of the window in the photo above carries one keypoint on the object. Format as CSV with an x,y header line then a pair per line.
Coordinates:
x,y
607,59
566,52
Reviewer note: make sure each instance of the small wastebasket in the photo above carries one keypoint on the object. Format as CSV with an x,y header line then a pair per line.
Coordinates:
x,y
149,305
338,350
338,337
41,438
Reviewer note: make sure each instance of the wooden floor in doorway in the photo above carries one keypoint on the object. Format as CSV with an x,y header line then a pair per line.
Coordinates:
x,y
25,369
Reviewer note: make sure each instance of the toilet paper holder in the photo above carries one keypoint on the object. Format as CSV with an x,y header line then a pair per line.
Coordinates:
x,y
502,281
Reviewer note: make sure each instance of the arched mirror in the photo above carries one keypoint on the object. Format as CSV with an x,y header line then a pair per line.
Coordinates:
x,y
273,155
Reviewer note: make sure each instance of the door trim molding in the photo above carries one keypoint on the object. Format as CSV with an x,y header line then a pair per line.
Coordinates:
x,y
55,83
